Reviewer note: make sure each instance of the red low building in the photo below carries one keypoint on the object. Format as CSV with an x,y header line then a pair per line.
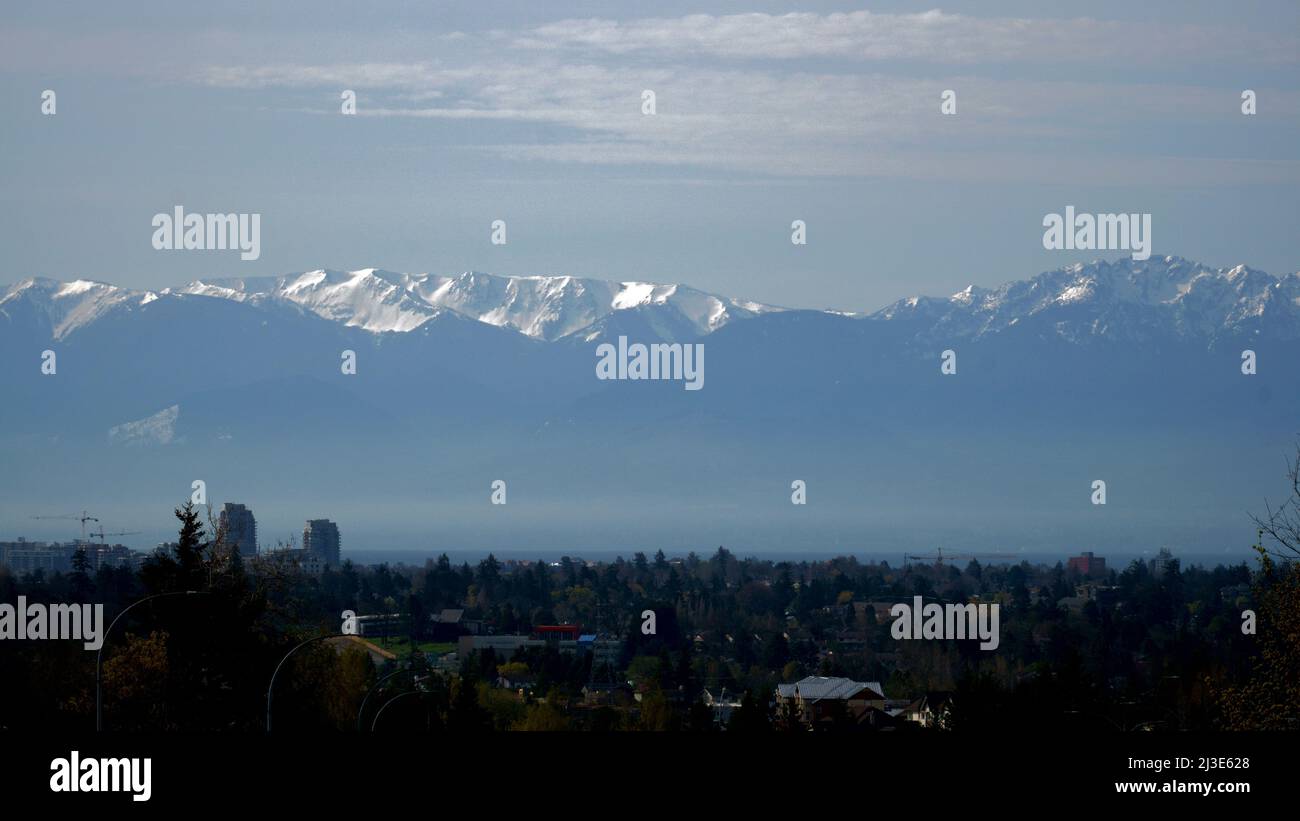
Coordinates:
x,y
1088,565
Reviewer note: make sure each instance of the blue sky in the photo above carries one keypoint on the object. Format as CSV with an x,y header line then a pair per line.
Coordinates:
x,y
530,112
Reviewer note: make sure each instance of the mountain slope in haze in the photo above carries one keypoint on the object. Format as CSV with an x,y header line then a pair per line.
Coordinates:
x,y
481,347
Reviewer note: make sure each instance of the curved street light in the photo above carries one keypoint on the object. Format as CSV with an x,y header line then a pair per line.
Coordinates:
x,y
374,687
375,723
270,689
99,655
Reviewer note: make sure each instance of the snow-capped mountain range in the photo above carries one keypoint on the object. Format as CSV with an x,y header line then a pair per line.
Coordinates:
x,y
542,307
1120,300
1128,371
1125,300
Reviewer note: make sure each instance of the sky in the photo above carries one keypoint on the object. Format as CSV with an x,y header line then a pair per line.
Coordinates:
x,y
531,113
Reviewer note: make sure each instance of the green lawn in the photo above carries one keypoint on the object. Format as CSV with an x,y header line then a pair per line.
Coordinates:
x,y
402,646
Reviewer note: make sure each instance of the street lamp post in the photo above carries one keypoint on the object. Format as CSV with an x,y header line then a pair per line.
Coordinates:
x,y
99,655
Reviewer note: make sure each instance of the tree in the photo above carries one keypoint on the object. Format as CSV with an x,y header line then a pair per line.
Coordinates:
x,y
189,546
788,718
182,567
513,671
644,670
465,715
543,718
135,684
1270,696
489,576
321,689
667,675
840,718
487,663
605,719
82,586
776,653
661,562
1281,525
656,713
782,591
700,719
750,716
684,676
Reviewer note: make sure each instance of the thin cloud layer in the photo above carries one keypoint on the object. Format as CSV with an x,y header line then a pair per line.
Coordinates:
x,y
804,94
927,36
783,122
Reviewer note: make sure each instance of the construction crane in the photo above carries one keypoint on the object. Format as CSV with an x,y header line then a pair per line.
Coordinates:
x,y
938,558
102,534
83,518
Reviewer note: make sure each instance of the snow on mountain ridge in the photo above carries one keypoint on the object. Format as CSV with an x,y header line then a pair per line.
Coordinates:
x,y
1122,299
67,306
542,307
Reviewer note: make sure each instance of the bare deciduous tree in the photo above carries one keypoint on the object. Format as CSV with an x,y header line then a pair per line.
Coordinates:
x,y
1281,525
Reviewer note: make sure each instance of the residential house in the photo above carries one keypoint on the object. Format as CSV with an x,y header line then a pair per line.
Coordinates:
x,y
821,699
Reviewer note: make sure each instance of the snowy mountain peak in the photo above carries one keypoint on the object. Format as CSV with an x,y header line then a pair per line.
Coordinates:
x,y
968,295
542,307
62,307
1126,299
369,298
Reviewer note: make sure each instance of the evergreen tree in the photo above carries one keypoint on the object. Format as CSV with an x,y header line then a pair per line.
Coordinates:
x,y
189,546
776,653
82,585
684,675
750,716
700,719
465,715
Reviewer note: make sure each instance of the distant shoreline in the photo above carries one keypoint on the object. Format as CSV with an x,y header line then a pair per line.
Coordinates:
x,y
1116,561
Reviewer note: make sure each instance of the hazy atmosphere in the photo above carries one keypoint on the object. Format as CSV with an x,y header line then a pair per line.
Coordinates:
x,y
830,157
531,113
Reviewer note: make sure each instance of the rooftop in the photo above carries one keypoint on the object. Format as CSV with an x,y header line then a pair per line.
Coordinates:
x,y
816,688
